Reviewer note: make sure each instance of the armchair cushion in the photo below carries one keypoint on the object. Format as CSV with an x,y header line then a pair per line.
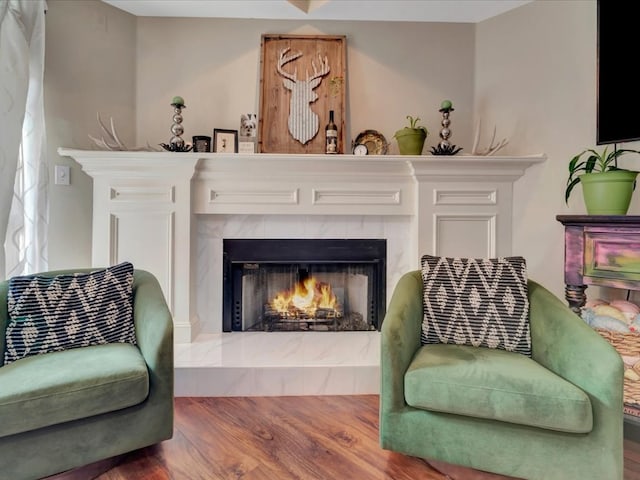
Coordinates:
x,y
478,302
42,390
55,313
496,385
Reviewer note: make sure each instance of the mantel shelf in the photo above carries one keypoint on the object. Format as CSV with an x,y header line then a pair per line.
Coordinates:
x,y
458,167
435,159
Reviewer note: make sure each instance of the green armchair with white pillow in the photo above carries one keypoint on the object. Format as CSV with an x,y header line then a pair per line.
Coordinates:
x,y
450,394
87,371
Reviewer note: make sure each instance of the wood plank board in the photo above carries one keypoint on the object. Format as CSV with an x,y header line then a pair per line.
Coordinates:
x,y
275,135
263,438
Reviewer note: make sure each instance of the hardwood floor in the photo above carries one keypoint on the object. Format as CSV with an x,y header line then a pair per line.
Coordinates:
x,y
281,438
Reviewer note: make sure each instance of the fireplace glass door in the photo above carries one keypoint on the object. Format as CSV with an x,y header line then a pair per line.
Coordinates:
x,y
304,285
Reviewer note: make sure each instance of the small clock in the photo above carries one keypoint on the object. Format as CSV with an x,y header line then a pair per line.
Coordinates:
x,y
360,149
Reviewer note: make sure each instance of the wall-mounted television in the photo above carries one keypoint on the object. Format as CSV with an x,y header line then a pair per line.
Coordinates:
x,y
618,91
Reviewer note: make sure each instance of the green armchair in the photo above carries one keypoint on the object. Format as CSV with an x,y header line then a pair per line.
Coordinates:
x,y
556,415
67,409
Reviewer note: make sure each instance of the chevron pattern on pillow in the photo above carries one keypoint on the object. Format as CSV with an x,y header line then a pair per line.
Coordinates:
x,y
48,314
476,301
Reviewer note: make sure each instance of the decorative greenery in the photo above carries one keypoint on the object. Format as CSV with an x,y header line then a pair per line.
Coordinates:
x,y
335,86
413,125
414,121
411,139
596,162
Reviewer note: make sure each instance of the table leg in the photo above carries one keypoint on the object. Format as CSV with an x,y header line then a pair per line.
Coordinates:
x,y
575,296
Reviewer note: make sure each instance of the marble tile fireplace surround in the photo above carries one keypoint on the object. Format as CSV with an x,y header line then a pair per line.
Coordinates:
x,y
170,213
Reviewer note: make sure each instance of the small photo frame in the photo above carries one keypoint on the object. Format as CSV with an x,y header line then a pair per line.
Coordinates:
x,y
201,143
248,125
225,141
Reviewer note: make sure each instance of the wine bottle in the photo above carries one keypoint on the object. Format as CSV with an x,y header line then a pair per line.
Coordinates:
x,y
331,135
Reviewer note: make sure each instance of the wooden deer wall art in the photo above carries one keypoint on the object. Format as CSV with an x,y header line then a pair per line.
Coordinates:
x,y
303,77
303,122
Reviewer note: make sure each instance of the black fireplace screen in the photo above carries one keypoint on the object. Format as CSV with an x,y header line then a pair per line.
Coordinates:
x,y
302,284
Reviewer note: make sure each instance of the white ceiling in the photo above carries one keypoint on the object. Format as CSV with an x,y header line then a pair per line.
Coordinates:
x,y
457,11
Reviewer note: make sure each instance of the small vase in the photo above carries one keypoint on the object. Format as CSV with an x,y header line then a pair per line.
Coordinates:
x,y
608,193
410,141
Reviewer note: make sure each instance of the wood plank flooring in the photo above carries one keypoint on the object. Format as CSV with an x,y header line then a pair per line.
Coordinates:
x,y
282,438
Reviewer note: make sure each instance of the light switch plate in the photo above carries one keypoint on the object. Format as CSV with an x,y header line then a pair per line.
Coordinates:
x,y
62,175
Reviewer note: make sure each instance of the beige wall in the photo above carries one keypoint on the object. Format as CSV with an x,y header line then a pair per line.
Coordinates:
x,y
393,70
539,89
529,72
89,68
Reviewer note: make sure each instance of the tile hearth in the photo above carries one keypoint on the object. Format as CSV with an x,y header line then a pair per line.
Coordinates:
x,y
278,364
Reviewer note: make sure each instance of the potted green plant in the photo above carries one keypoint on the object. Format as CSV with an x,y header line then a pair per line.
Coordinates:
x,y
411,139
606,188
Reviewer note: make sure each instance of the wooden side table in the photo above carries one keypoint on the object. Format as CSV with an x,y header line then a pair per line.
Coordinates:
x,y
605,251
600,250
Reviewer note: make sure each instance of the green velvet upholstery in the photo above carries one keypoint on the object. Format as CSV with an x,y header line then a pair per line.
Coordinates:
x,y
42,390
495,384
98,401
479,436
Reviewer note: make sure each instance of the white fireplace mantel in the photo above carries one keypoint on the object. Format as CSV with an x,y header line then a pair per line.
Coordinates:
x,y
146,204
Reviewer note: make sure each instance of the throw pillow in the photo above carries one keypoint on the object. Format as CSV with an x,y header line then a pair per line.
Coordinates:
x,y
48,314
475,301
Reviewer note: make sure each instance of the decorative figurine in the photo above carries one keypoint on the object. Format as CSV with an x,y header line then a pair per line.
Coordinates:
x,y
176,144
444,147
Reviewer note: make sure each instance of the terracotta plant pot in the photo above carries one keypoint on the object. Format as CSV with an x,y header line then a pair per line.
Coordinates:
x,y
608,193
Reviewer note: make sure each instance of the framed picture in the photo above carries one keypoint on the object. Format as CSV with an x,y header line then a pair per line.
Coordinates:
x,y
225,141
303,78
248,125
201,143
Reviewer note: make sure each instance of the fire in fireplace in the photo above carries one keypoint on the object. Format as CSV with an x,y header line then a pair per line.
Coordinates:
x,y
303,284
309,299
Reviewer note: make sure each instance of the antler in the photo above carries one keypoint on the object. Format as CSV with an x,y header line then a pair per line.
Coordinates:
x,y
324,70
284,60
492,148
112,142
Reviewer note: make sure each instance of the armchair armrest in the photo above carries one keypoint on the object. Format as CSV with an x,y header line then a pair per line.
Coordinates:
x,y
566,345
562,342
154,332
400,339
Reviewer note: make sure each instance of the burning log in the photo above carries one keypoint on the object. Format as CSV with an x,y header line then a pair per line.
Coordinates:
x,y
294,314
305,300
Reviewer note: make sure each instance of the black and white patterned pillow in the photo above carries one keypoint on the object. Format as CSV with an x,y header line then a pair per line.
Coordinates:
x,y
48,314
476,301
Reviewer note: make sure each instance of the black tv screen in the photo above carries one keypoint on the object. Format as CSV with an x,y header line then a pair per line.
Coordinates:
x,y
618,95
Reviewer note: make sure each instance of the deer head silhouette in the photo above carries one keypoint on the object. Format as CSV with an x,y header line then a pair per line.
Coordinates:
x,y
303,122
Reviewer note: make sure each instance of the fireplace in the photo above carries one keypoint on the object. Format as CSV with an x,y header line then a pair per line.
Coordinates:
x,y
303,284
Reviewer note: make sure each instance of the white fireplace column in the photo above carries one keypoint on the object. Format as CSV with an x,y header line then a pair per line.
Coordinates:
x,y
144,204
142,214
464,204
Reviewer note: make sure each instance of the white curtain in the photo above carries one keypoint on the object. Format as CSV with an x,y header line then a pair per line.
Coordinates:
x,y
24,208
